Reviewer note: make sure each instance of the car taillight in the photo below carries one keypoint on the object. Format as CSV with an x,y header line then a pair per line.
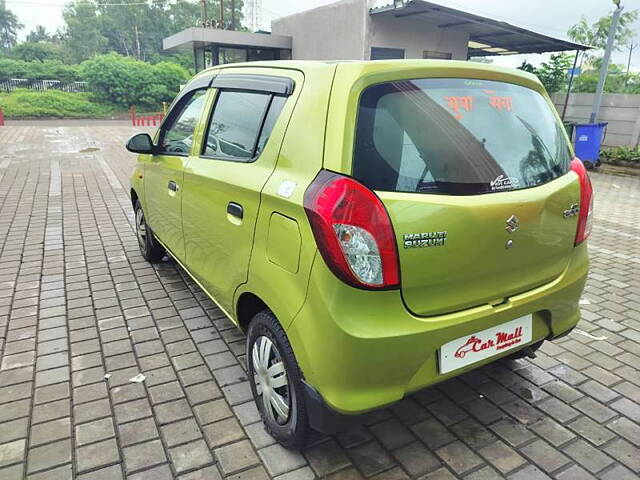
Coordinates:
x,y
353,232
585,215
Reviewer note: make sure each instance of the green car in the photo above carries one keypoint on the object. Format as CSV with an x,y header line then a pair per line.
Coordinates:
x,y
373,227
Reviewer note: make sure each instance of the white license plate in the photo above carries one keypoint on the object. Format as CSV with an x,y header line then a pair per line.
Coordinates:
x,y
481,345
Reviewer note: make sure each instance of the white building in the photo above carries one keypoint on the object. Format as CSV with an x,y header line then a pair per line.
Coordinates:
x,y
368,30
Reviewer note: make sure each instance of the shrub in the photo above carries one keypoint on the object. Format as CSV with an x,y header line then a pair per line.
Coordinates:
x,y
45,70
125,81
615,83
52,103
615,155
37,51
185,60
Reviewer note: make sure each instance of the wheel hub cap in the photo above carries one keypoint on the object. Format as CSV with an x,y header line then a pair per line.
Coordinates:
x,y
270,377
141,229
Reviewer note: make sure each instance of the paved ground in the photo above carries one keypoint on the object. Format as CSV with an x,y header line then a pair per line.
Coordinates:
x,y
78,303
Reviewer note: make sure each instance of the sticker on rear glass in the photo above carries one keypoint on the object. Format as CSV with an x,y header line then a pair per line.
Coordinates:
x,y
502,182
501,103
459,105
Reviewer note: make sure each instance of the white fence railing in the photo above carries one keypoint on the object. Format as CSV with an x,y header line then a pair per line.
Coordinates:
x,y
8,85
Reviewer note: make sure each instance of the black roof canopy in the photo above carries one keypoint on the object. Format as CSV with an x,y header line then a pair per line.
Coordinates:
x,y
486,36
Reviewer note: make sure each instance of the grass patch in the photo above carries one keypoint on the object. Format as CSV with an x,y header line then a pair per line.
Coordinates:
x,y
52,103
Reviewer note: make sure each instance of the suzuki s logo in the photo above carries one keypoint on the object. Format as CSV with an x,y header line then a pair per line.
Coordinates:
x,y
573,210
512,224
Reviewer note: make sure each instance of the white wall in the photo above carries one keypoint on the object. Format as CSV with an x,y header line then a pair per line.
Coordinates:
x,y
331,32
620,110
346,31
414,36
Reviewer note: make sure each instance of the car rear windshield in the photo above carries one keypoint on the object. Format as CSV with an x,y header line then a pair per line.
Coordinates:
x,y
457,136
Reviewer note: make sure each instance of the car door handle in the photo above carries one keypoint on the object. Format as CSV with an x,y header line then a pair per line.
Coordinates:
x,y
235,209
173,186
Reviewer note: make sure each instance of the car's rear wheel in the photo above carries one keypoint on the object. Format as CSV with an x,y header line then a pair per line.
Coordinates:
x,y
276,381
151,250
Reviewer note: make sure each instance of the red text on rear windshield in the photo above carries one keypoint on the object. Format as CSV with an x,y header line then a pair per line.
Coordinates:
x,y
457,136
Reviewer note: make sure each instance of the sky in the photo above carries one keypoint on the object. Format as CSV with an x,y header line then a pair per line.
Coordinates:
x,y
552,17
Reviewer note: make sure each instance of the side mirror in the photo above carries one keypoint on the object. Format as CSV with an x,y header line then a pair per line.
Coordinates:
x,y
140,143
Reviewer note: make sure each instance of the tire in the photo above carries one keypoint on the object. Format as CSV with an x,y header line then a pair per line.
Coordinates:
x,y
524,353
268,346
150,249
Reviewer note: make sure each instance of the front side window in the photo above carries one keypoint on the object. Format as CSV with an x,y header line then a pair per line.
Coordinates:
x,y
241,124
176,136
457,136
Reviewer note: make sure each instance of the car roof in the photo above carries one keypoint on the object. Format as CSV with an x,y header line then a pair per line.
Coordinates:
x,y
372,66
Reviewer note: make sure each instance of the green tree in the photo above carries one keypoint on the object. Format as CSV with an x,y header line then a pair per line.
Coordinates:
x,y
552,74
618,81
82,37
136,28
527,67
39,35
37,51
9,27
596,34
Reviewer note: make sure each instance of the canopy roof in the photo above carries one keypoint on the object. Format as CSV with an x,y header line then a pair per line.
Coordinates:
x,y
486,36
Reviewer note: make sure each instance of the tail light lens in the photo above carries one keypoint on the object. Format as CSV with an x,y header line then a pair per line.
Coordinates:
x,y
353,232
585,215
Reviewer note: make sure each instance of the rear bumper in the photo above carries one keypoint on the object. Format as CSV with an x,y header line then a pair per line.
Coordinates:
x,y
361,350
323,418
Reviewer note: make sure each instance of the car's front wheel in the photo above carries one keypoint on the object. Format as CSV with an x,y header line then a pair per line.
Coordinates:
x,y
276,381
151,250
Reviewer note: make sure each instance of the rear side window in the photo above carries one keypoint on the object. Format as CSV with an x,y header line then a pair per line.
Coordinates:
x,y
457,137
241,124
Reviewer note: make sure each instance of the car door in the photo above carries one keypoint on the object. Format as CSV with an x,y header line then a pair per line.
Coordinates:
x,y
164,173
238,152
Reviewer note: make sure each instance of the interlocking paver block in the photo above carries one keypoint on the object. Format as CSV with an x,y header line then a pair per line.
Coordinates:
x,y
370,458
161,472
279,460
12,452
72,273
416,459
94,431
143,455
86,412
502,457
97,454
49,455
197,454
432,433
236,456
223,431
392,434
64,472
459,457
326,458
114,472
50,431
587,456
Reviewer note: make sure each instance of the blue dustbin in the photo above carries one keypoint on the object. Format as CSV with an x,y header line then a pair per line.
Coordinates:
x,y
589,137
